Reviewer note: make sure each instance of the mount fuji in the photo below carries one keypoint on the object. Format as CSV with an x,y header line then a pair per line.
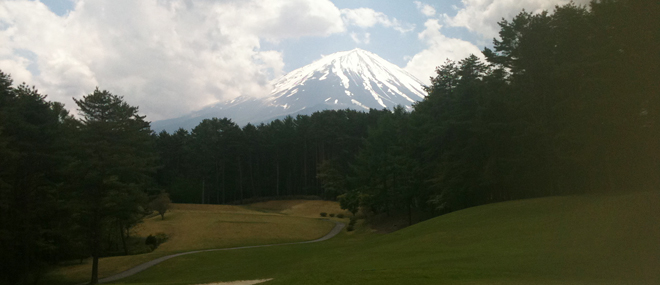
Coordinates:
x,y
355,79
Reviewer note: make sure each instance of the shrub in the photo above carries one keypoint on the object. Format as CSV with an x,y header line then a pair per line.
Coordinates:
x,y
324,214
341,216
351,224
332,215
161,238
155,241
151,241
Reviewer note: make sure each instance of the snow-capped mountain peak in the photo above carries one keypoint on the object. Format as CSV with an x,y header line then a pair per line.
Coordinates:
x,y
355,69
355,79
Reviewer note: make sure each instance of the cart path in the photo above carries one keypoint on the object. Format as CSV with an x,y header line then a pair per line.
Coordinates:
x,y
337,229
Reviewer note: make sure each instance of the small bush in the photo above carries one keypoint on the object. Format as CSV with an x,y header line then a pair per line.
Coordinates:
x,y
324,214
332,215
155,241
161,238
351,224
341,216
151,241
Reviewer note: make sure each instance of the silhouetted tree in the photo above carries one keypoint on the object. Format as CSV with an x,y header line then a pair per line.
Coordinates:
x,y
115,160
31,156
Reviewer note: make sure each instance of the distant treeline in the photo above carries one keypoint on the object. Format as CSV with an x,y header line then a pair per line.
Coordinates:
x,y
218,162
564,103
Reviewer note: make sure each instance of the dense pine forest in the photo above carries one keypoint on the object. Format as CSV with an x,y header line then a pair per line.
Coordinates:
x,y
219,162
564,102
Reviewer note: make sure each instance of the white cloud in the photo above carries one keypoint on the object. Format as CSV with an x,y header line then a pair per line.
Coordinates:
x,y
364,40
287,19
367,18
481,16
425,9
168,57
439,49
478,16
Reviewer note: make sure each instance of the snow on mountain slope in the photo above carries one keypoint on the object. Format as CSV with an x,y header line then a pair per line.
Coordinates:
x,y
355,79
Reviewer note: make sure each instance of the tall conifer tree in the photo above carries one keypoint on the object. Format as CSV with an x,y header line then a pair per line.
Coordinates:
x,y
114,168
29,132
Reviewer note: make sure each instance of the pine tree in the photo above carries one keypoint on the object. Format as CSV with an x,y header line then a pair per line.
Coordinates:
x,y
114,166
30,158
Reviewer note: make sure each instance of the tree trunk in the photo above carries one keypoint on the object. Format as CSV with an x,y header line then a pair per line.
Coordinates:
x,y
305,167
387,198
410,212
95,256
240,179
123,239
254,189
95,270
289,182
217,183
224,190
277,187
95,239
317,162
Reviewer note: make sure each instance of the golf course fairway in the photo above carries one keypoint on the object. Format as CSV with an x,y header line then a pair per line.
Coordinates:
x,y
591,239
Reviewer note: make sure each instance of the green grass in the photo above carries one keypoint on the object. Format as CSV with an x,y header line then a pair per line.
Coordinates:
x,y
607,239
192,227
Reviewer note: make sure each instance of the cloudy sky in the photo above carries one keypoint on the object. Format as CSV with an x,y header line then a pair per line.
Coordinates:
x,y
171,57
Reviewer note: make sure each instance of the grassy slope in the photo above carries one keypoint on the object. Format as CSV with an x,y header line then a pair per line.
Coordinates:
x,y
192,227
612,239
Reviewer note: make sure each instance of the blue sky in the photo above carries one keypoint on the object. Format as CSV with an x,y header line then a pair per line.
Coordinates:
x,y
171,57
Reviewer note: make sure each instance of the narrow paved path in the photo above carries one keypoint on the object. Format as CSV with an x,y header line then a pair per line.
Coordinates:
x,y
338,227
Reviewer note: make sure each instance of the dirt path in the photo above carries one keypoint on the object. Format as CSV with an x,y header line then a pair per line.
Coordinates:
x,y
241,282
338,227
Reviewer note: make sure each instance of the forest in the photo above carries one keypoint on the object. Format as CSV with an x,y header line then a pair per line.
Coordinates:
x,y
564,102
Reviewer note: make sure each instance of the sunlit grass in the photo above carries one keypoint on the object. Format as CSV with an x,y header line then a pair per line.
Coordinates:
x,y
193,227
606,239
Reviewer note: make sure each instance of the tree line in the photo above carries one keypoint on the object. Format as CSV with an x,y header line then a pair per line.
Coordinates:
x,y
219,162
564,103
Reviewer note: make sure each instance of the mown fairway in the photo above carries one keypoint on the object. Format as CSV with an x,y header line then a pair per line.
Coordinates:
x,y
192,227
611,239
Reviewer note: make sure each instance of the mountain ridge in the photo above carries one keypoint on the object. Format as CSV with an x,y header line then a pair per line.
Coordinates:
x,y
355,79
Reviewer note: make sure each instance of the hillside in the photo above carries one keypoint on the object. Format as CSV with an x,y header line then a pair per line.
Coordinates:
x,y
608,239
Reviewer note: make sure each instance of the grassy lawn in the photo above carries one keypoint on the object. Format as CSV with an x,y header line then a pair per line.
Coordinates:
x,y
605,239
192,227
300,208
